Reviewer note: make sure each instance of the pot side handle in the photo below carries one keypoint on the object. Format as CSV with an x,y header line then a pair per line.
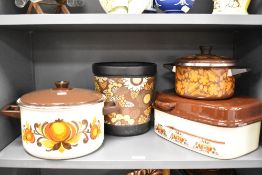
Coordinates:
x,y
11,111
110,107
164,106
170,66
233,72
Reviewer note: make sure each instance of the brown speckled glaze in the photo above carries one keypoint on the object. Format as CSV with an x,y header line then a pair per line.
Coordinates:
x,y
234,112
61,95
133,95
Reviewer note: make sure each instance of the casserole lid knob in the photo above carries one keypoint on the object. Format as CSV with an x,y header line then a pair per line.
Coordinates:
x,y
61,95
62,84
206,50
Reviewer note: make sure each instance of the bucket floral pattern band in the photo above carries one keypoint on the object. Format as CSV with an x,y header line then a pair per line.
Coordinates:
x,y
133,95
61,135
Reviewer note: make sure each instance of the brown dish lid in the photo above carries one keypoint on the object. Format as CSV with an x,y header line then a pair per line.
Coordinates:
x,y
61,95
234,112
205,59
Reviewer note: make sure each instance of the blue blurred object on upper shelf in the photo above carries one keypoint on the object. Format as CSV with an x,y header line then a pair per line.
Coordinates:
x,y
175,6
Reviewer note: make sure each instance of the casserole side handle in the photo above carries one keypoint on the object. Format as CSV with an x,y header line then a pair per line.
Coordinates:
x,y
110,107
11,111
165,106
237,71
170,66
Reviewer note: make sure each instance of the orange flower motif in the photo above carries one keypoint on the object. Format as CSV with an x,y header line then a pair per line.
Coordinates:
x,y
177,137
95,129
179,76
179,86
203,80
159,128
205,147
60,135
211,76
193,75
60,131
28,135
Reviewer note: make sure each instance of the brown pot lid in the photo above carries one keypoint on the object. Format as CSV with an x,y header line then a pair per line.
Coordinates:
x,y
61,95
206,59
234,112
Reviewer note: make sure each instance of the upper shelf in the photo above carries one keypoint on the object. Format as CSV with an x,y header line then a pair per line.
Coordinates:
x,y
147,22
145,151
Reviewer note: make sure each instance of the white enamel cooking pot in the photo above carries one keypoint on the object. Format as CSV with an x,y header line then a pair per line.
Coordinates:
x,y
61,123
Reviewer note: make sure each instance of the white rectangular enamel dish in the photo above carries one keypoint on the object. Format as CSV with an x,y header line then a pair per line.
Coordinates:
x,y
213,141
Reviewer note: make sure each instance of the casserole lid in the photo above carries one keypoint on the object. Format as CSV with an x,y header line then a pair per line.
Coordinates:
x,y
205,59
234,112
124,69
61,95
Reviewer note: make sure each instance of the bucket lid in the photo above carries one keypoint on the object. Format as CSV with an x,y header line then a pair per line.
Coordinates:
x,y
205,59
234,112
61,95
124,69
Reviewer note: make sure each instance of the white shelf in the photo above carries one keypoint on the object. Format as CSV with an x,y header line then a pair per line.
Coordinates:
x,y
129,22
144,151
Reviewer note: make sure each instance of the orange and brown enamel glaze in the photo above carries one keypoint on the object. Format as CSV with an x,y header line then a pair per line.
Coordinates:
x,y
205,76
208,83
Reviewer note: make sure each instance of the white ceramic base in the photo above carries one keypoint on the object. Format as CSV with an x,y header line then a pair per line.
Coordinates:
x,y
213,141
46,126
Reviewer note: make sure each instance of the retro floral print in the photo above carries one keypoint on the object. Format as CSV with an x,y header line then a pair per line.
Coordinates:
x,y
27,134
147,112
133,95
204,82
143,119
95,130
160,130
112,87
147,98
206,147
179,138
122,101
101,79
119,119
186,139
135,84
61,135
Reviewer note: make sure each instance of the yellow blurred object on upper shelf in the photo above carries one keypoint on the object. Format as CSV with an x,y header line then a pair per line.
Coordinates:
x,y
231,6
125,6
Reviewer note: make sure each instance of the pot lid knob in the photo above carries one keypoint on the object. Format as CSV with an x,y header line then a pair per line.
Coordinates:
x,y
206,50
62,84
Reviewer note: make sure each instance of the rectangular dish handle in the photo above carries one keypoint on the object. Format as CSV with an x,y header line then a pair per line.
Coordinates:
x,y
11,111
165,106
110,107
